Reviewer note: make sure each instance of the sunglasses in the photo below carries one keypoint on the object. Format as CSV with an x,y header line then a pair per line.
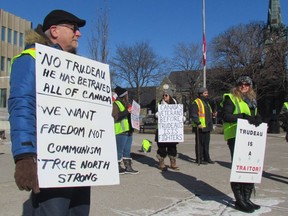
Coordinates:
x,y
74,28
165,95
243,84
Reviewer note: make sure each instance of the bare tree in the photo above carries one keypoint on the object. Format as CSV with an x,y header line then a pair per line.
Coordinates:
x,y
98,40
259,52
137,65
250,49
239,50
273,77
187,57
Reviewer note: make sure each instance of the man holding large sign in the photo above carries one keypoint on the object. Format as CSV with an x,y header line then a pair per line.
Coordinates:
x,y
54,125
247,145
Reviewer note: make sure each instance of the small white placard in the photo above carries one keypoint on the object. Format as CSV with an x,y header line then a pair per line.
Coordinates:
x,y
135,115
170,123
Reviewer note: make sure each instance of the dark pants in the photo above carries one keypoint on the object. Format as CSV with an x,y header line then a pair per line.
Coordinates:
x,y
72,201
231,145
165,149
243,186
204,141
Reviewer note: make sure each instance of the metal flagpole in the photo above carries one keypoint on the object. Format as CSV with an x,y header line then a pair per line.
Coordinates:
x,y
204,44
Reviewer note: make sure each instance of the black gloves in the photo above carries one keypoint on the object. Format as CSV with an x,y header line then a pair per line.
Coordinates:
x,y
26,174
252,120
257,122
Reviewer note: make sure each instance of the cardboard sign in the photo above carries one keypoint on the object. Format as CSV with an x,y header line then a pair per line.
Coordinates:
x,y
249,152
76,143
135,115
170,123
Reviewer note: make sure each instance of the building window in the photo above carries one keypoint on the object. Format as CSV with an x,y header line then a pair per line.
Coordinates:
x,y
2,63
3,33
3,95
9,37
8,64
15,37
21,39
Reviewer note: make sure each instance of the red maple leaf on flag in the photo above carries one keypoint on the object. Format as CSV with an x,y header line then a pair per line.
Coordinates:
x,y
204,49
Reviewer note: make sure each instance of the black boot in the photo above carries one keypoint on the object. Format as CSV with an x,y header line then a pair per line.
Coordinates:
x,y
121,169
240,203
128,167
247,190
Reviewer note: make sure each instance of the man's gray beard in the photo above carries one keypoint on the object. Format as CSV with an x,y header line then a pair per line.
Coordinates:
x,y
73,51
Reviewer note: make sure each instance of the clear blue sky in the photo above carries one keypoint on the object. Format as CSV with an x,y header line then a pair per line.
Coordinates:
x,y
161,23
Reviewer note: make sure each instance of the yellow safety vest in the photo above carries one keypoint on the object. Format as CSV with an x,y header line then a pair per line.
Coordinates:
x,y
123,125
30,51
286,105
201,112
240,107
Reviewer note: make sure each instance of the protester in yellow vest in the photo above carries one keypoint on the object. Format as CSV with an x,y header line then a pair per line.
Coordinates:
x,y
201,114
60,30
283,118
123,130
240,103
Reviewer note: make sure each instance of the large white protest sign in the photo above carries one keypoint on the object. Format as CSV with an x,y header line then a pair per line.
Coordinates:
x,y
75,130
135,115
170,123
249,152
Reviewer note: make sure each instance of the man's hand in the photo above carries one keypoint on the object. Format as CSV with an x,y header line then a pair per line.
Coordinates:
x,y
26,174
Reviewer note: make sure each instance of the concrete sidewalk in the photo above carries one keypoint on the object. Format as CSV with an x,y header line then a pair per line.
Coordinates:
x,y
193,190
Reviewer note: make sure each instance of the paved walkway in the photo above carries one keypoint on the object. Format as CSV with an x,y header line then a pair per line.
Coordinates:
x,y
193,190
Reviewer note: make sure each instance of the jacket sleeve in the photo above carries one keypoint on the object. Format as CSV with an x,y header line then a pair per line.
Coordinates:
x,y
22,107
117,114
283,119
194,114
228,109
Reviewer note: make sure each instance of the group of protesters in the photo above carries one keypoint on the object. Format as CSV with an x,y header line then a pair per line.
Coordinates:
x,y
60,30
239,103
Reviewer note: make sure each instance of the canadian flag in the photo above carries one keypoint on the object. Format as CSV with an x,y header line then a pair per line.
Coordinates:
x,y
204,49
114,96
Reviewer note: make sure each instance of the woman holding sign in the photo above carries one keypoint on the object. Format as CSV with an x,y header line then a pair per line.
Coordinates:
x,y
240,103
166,148
123,130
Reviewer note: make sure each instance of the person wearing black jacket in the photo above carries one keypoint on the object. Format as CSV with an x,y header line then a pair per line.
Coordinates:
x,y
240,103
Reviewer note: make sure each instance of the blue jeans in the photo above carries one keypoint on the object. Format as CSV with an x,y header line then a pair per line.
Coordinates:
x,y
72,201
124,143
